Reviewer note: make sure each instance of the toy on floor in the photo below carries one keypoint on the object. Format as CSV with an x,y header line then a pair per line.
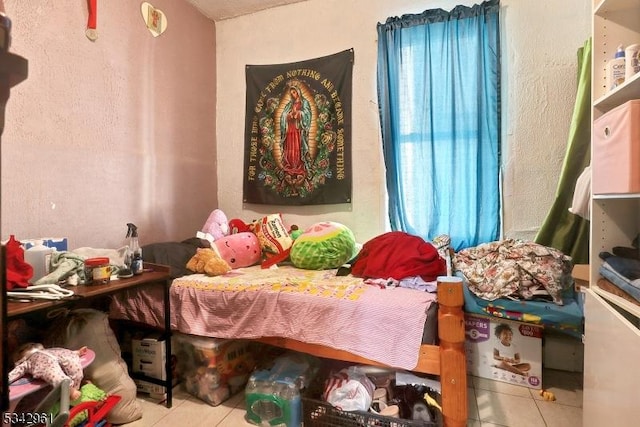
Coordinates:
x,y
92,408
52,365
547,395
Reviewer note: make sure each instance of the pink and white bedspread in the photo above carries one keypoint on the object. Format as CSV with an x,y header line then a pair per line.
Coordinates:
x,y
317,307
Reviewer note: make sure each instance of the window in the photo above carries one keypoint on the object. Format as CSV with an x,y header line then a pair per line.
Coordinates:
x,y
439,98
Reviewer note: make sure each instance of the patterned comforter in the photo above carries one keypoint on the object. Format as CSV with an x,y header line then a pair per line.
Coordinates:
x,y
515,269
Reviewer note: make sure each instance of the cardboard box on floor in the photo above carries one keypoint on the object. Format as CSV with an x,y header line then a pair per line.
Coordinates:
x,y
149,356
482,341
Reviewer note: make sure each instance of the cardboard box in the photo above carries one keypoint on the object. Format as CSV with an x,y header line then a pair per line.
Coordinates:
x,y
580,275
60,244
488,357
148,356
154,391
149,388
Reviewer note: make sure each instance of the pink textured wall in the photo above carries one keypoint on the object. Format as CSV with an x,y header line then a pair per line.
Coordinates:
x,y
113,131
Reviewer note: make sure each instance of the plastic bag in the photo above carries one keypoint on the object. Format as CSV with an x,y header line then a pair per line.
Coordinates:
x,y
349,390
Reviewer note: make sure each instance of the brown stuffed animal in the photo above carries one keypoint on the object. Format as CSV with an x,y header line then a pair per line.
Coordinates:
x,y
547,395
207,261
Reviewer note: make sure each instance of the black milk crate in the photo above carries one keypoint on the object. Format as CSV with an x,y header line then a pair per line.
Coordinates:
x,y
317,413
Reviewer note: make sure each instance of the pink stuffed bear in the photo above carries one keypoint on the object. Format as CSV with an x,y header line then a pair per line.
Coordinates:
x,y
217,225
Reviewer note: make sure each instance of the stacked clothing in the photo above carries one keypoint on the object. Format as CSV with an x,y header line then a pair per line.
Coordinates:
x,y
622,272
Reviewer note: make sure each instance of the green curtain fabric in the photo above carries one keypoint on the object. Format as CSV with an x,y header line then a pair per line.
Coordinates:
x,y
561,229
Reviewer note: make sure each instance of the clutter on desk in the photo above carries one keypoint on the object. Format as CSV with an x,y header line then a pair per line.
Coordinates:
x,y
47,261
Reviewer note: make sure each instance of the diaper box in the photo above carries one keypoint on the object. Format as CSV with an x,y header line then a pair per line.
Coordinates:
x,y
504,350
213,369
616,150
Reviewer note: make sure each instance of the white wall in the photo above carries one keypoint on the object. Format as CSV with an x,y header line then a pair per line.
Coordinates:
x,y
539,43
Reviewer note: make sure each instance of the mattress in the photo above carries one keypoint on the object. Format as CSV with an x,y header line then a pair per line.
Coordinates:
x,y
386,325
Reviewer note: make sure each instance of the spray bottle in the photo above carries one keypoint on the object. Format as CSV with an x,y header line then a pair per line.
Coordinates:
x,y
135,251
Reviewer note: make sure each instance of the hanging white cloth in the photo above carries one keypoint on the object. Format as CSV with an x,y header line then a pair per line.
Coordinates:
x,y
582,195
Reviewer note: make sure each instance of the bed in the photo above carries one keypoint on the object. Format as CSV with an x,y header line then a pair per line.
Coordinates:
x,y
313,311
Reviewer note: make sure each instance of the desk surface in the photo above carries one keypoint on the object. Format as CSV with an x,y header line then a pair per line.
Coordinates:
x,y
159,273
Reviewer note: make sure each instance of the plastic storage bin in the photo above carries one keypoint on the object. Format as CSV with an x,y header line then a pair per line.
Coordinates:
x,y
213,369
616,150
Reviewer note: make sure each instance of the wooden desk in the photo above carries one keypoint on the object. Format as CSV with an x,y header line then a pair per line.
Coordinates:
x,y
84,293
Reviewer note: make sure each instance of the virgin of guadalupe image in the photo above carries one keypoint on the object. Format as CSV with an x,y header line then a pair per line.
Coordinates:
x,y
295,125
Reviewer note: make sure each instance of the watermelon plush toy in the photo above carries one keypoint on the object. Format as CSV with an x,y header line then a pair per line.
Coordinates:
x,y
323,246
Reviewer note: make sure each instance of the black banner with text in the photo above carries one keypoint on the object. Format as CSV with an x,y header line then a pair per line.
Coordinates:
x,y
298,132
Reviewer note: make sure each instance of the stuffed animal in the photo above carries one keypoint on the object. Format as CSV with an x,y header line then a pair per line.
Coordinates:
x,y
547,395
236,225
239,249
217,225
209,262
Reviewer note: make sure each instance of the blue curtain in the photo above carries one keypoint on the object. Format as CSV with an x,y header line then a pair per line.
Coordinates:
x,y
439,100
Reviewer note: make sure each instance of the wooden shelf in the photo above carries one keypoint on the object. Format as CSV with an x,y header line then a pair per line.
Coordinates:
x,y
623,302
628,90
616,196
607,6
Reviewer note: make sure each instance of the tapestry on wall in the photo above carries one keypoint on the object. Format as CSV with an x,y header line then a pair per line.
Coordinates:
x,y
298,132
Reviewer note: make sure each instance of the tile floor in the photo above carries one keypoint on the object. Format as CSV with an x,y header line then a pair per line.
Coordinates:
x,y
491,404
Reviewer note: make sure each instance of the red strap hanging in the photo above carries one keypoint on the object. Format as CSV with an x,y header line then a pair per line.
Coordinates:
x,y
92,32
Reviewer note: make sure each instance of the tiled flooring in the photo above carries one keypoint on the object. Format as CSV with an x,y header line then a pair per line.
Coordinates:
x,y
491,404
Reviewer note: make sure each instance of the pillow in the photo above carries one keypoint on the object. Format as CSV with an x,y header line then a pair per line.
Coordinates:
x,y
108,371
323,246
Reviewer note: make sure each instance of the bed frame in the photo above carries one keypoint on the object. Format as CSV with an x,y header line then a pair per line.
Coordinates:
x,y
446,360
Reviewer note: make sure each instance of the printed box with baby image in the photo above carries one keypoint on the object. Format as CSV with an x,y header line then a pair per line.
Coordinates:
x,y
504,350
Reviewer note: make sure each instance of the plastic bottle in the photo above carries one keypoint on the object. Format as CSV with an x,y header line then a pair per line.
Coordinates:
x,y
39,257
616,69
632,61
135,249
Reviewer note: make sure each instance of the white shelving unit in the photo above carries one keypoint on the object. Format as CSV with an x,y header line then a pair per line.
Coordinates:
x,y
612,324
